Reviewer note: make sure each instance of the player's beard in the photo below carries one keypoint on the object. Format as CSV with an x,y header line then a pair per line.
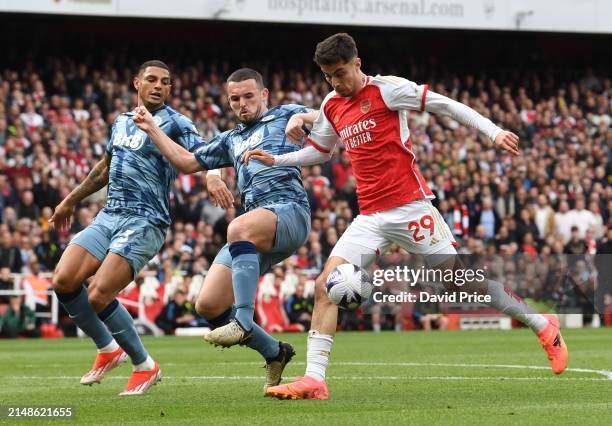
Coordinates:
x,y
255,118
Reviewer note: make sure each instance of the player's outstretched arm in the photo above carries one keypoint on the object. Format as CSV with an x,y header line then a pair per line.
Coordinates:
x,y
295,126
308,156
178,156
95,181
440,104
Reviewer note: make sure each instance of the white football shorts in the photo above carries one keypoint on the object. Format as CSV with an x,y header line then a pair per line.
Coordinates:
x,y
417,227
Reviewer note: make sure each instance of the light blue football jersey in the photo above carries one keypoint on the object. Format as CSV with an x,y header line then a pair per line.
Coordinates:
x,y
140,177
259,185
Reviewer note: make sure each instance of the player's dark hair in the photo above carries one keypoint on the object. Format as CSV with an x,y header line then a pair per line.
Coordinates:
x,y
153,63
339,48
243,74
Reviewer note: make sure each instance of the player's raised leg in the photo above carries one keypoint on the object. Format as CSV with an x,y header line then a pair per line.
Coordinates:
x,y
431,237
546,327
75,266
215,304
115,274
248,234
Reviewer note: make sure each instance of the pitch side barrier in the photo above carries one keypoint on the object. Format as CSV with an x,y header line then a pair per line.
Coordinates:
x,y
43,302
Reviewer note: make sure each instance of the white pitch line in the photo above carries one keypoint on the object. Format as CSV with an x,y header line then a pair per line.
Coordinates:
x,y
391,378
607,374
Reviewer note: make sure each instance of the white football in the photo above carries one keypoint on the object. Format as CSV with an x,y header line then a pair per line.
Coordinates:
x,y
348,286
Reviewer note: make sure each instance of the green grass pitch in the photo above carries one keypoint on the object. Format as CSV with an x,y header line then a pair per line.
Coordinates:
x,y
475,377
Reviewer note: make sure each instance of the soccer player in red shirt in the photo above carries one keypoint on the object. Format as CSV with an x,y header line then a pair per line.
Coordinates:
x,y
369,115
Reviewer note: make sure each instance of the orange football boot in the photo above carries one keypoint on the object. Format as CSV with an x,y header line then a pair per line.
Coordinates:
x,y
104,363
141,381
303,388
554,345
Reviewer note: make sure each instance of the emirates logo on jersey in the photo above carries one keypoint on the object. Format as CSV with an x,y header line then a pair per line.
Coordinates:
x,y
364,106
357,134
359,127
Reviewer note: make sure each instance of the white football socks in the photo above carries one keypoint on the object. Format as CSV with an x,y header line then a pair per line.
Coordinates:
x,y
111,347
514,307
317,355
147,364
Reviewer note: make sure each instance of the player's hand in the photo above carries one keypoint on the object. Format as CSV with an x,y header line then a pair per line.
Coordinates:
x,y
219,193
259,155
143,119
294,130
62,216
507,141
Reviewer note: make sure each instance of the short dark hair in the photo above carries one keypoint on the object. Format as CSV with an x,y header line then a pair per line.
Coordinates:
x,y
153,63
243,74
338,48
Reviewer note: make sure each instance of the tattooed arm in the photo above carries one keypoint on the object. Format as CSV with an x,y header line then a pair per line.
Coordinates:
x,y
96,180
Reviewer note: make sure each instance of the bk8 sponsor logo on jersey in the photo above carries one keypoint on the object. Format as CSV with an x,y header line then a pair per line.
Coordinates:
x,y
133,142
252,142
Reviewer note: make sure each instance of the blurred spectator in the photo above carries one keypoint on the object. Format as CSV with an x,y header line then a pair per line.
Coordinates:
x,y
575,245
6,283
178,313
10,255
526,225
529,245
299,308
19,320
489,219
427,315
386,313
47,251
36,284
582,218
605,244
8,195
269,310
544,217
564,222
27,208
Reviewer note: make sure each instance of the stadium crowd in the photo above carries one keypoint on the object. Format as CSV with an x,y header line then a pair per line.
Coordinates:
x,y
554,198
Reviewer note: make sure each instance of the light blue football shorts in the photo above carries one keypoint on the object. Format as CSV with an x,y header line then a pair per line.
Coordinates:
x,y
292,231
130,236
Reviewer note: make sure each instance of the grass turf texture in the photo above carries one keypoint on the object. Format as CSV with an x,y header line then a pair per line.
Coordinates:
x,y
203,385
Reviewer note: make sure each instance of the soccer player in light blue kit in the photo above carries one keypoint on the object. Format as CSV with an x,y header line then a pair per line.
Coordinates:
x,y
125,235
275,225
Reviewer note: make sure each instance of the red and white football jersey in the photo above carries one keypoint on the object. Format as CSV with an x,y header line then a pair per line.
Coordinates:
x,y
373,125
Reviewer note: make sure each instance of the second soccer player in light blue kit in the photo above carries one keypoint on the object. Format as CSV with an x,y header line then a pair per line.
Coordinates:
x,y
275,225
125,235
